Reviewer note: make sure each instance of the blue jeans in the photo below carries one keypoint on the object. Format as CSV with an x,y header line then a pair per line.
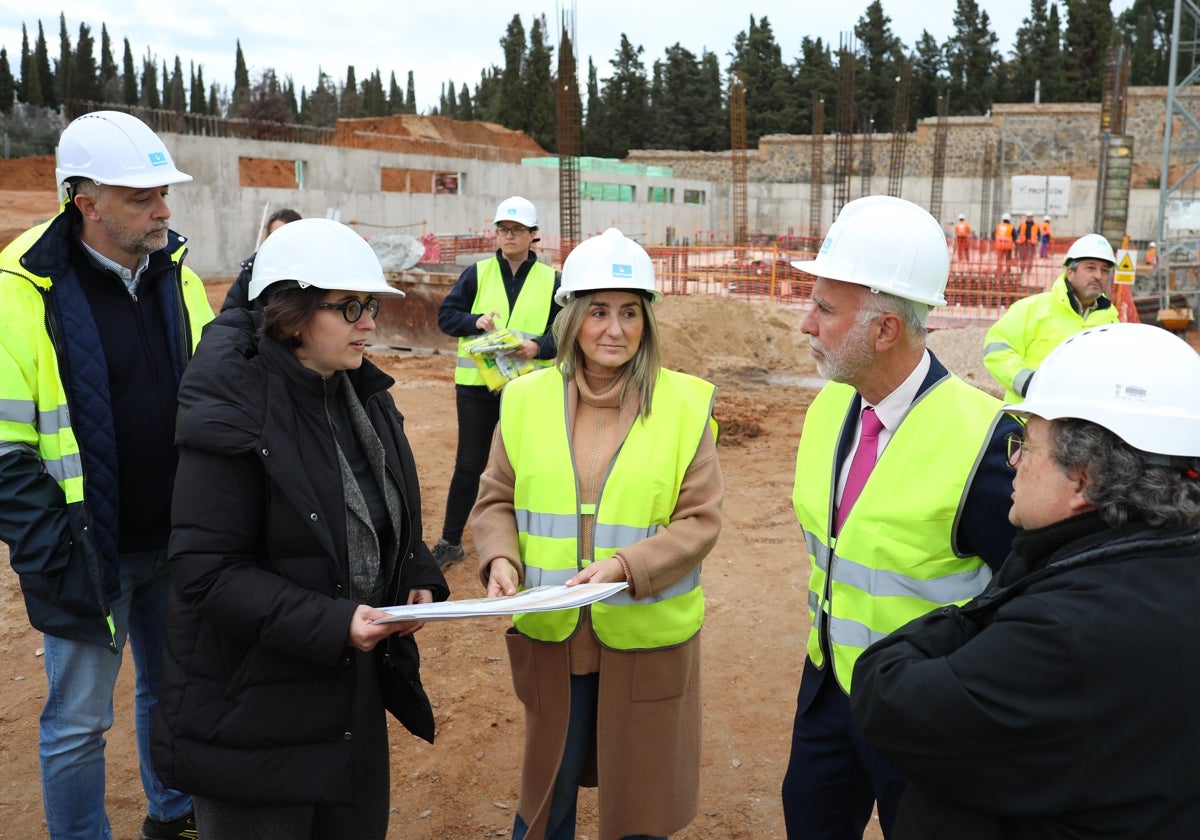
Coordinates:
x,y
580,729
79,707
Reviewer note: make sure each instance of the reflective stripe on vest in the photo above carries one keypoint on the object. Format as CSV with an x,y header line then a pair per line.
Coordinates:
x,y
895,558
41,419
637,497
529,317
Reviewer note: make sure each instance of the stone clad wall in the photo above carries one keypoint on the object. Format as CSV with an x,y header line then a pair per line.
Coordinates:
x,y
1054,139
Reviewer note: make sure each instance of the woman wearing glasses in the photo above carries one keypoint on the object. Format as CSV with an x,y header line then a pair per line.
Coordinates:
x,y
296,516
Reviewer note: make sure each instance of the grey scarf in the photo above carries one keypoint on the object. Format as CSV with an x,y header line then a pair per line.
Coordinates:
x,y
370,564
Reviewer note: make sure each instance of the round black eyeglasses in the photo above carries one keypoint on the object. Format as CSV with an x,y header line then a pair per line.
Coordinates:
x,y
353,309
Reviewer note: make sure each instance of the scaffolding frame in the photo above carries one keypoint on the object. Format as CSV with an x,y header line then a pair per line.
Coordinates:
x,y
816,169
1178,230
938,182
569,127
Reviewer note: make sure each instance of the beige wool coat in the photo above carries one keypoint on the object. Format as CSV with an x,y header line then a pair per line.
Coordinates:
x,y
646,760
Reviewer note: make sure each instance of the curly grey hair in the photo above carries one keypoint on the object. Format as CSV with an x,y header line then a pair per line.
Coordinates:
x,y
1122,481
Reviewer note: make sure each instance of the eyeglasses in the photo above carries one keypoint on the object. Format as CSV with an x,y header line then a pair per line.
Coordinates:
x,y
1016,444
353,309
511,230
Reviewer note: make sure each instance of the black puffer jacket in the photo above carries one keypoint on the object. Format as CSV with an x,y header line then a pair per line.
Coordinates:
x,y
258,682
1060,703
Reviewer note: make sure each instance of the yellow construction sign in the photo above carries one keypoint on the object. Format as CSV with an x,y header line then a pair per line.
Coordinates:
x,y
1125,271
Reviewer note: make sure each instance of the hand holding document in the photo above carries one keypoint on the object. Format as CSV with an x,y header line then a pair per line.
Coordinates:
x,y
538,599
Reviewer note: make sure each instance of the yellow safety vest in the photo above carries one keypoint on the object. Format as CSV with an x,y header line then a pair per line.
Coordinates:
x,y
33,399
1021,339
529,318
638,496
895,557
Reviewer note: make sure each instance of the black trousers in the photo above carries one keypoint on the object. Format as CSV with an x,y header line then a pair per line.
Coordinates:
x,y
478,414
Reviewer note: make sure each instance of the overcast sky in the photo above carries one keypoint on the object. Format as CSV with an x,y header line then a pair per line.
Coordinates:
x,y
456,39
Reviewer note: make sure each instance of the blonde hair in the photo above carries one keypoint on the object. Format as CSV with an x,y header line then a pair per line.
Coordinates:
x,y
643,367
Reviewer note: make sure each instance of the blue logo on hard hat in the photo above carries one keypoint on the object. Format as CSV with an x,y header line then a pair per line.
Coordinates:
x,y
622,271
511,211
158,159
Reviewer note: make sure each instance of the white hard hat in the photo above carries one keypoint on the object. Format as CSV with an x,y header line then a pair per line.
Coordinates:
x,y
1090,246
887,244
607,261
1152,245
111,147
321,253
961,216
1138,381
1004,217
1045,218
516,209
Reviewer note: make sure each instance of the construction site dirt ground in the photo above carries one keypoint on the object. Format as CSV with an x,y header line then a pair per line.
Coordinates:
x,y
466,784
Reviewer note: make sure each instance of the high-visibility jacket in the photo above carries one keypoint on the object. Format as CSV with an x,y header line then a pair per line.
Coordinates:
x,y
529,316
1004,237
1033,326
962,229
638,496
47,320
896,555
1027,232
1045,230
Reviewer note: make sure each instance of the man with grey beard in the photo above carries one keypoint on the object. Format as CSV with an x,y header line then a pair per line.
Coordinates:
x,y
902,490
100,318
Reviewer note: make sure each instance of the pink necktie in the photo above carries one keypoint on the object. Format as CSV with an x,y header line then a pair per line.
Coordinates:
x,y
863,463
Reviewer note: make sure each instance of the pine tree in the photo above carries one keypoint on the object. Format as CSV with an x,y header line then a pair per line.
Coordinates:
x,y
816,80
63,88
110,82
1086,40
29,86
771,106
971,60
626,96
538,82
129,79
8,85
41,63
198,100
321,107
448,101
466,111
1145,28
150,93
241,79
84,76
395,99
1054,73
486,101
289,96
177,100
595,123
351,104
676,102
512,108
374,101
410,95
928,78
880,56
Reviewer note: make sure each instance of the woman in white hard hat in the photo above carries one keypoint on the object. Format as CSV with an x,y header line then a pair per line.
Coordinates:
x,y
297,514
1061,702
604,469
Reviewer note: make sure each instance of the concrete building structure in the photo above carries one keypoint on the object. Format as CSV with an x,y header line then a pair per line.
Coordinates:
x,y
659,197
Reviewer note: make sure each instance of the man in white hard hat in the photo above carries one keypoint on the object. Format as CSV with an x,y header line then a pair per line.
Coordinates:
x,y
901,488
100,318
962,238
1033,326
1004,240
1061,702
510,290
1027,238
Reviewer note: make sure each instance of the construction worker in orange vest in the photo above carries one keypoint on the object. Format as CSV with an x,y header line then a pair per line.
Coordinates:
x,y
962,237
1044,238
1026,237
1004,241
1152,255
